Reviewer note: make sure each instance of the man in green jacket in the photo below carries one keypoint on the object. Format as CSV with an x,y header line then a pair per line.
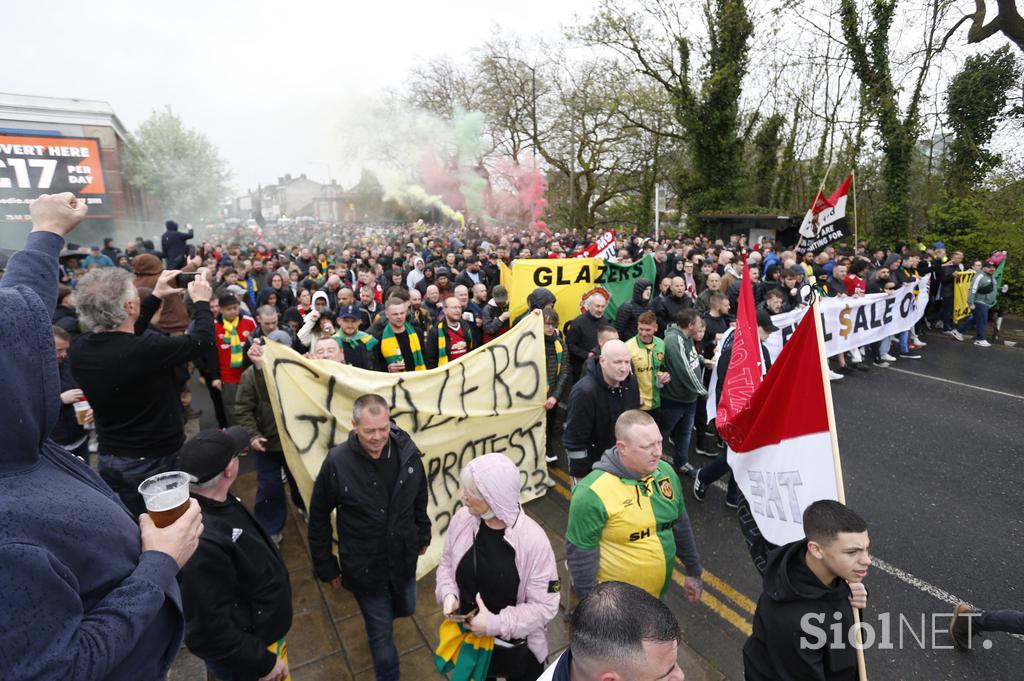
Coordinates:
x,y
254,412
680,394
980,298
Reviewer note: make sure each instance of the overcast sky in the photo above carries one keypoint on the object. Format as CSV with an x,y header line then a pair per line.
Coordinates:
x,y
265,81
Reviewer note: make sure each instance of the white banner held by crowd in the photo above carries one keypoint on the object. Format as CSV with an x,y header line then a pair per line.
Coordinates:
x,y
850,322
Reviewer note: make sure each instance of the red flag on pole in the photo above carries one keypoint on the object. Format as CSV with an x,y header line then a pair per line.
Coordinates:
x,y
745,366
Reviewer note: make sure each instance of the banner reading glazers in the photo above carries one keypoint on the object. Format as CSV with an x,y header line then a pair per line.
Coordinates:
x,y
573,280
489,400
852,322
30,166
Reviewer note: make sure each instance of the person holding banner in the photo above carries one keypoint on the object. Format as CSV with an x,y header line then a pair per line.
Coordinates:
x,y
980,299
376,484
810,589
558,374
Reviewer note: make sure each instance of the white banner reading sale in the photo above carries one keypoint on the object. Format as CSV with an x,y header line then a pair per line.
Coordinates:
x,y
849,322
490,400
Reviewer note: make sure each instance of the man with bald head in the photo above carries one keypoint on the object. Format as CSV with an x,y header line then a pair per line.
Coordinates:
x,y
607,389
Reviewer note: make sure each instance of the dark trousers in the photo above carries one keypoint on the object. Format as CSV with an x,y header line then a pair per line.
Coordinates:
x,y
719,467
979,319
553,427
514,664
271,509
676,419
218,406
379,613
124,474
224,674
946,313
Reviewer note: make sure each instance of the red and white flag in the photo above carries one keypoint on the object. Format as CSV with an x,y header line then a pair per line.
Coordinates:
x,y
781,444
604,247
825,221
746,366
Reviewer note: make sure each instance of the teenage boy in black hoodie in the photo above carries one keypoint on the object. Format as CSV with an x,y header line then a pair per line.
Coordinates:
x,y
807,583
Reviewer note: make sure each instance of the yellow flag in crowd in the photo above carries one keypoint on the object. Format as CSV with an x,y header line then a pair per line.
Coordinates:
x,y
961,289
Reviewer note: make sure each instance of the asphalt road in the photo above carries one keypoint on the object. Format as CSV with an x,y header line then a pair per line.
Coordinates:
x,y
934,467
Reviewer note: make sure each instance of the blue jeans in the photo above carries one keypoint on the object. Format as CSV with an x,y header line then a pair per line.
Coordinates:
x,y
979,319
379,613
124,474
676,419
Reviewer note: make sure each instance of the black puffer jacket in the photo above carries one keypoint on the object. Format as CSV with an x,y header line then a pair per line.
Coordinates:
x,y
668,307
628,313
558,371
379,538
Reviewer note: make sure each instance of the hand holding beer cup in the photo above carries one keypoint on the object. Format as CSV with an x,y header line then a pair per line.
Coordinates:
x,y
178,540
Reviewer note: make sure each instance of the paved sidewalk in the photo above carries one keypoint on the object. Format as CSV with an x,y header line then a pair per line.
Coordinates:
x,y
328,640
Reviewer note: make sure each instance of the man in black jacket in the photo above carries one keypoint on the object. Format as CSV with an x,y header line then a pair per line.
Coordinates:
x,y
235,591
668,307
810,589
581,336
131,376
376,483
595,402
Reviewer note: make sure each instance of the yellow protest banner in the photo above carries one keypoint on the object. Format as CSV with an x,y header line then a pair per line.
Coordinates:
x,y
489,400
573,280
505,274
961,289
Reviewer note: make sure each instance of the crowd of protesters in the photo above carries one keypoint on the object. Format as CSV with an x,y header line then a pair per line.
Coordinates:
x,y
129,326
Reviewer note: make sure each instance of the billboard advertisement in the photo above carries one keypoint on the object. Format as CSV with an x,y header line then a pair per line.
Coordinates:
x,y
34,165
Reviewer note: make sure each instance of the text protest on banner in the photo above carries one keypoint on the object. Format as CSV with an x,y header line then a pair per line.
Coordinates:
x,y
603,248
573,280
851,322
490,400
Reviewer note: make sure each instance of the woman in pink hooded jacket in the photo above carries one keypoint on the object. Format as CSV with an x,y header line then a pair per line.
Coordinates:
x,y
497,560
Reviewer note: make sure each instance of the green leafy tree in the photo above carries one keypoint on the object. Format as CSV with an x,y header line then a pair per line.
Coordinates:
x,y
177,166
767,144
976,103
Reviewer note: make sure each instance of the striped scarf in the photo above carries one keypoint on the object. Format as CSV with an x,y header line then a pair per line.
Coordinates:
x,y
558,357
392,351
231,336
462,655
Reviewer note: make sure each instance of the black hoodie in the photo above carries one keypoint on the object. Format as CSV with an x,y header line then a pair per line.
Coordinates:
x,y
791,591
628,314
173,245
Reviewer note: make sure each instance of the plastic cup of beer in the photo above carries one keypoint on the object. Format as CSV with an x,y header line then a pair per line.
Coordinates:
x,y
166,496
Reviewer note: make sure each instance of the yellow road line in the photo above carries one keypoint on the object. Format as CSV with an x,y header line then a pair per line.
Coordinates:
x,y
710,579
718,607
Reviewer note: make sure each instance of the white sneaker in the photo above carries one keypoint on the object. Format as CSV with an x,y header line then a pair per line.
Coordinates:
x,y
833,376
855,356
888,358
982,343
956,334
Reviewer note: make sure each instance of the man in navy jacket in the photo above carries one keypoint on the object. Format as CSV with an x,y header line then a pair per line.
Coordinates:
x,y
86,593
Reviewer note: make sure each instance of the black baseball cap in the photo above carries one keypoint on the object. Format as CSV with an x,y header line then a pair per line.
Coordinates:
x,y
208,453
764,320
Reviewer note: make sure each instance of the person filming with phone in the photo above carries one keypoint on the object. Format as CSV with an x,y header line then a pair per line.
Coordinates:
x,y
497,579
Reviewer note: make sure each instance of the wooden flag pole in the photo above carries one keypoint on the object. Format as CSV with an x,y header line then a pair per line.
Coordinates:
x,y
862,671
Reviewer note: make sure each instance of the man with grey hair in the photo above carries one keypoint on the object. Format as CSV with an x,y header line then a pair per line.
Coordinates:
x,y
619,633
581,337
376,483
236,567
133,377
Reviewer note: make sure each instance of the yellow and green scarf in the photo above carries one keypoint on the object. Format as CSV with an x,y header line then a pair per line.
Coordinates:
x,y
392,351
462,655
231,336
